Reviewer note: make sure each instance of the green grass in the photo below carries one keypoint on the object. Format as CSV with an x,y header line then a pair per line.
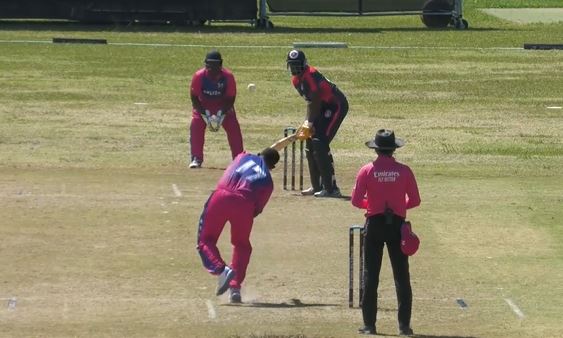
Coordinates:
x,y
514,3
95,242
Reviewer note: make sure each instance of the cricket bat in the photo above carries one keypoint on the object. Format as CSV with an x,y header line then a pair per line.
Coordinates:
x,y
284,142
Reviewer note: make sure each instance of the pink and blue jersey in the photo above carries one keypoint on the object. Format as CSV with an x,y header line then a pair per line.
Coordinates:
x,y
248,176
213,91
241,194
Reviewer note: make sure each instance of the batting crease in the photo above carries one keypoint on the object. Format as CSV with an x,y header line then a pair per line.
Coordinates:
x,y
210,310
514,308
177,191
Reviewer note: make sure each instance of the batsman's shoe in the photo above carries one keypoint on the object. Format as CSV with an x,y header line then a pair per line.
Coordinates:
x,y
195,164
223,281
324,193
308,192
235,297
367,330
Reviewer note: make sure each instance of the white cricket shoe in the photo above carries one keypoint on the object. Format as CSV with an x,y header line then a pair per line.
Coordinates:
x,y
308,192
195,164
223,280
324,193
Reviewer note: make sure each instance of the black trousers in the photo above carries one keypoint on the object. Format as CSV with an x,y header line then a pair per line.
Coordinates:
x,y
317,148
379,233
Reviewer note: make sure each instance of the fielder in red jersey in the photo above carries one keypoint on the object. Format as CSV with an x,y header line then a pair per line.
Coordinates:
x,y
240,196
213,92
326,109
386,189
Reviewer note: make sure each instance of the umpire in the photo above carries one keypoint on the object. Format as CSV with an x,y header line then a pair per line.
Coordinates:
x,y
386,189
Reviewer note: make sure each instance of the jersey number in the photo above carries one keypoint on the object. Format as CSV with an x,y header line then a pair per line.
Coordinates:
x,y
250,171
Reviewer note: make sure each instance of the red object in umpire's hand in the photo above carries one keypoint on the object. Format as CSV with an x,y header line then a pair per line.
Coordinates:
x,y
409,240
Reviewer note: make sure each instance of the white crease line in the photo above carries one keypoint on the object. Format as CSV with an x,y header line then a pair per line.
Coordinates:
x,y
210,310
554,107
12,303
65,310
514,308
177,191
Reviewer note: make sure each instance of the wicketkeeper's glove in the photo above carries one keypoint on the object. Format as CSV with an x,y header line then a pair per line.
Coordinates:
x,y
206,117
305,131
220,118
210,120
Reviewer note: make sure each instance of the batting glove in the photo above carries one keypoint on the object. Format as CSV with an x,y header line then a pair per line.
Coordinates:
x,y
305,131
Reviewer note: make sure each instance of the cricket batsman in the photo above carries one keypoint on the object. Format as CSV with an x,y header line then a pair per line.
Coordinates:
x,y
326,109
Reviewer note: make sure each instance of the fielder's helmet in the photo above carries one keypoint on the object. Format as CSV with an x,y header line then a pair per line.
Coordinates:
x,y
296,61
213,57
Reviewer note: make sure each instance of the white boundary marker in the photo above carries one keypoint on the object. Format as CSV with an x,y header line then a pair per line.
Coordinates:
x,y
520,49
514,308
211,310
554,107
177,191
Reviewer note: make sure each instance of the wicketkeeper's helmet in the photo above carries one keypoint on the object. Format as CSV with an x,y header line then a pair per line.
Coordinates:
x,y
213,57
296,61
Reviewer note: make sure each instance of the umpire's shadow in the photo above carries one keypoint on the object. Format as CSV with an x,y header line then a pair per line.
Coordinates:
x,y
431,336
293,303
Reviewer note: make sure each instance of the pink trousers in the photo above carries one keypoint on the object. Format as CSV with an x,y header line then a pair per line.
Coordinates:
x,y
222,207
197,134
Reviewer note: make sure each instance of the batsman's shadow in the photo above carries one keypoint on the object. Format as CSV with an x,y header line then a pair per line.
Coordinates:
x,y
343,197
293,303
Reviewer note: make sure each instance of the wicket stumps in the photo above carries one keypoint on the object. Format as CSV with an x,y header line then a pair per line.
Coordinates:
x,y
286,132
361,231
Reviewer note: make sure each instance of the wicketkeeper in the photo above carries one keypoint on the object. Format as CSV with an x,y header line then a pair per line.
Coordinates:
x,y
213,92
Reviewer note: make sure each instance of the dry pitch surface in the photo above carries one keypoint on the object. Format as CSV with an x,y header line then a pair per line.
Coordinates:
x,y
112,253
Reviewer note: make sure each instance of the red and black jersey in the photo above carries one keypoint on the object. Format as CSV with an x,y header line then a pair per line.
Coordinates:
x,y
312,81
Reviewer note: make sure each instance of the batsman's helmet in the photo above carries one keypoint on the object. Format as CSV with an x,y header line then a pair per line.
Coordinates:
x,y
213,57
296,61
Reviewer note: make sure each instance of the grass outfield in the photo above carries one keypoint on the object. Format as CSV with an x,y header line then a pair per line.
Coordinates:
x,y
98,211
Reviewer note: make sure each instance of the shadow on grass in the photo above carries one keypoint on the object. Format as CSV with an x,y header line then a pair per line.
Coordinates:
x,y
294,303
343,197
433,336
212,168
72,26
